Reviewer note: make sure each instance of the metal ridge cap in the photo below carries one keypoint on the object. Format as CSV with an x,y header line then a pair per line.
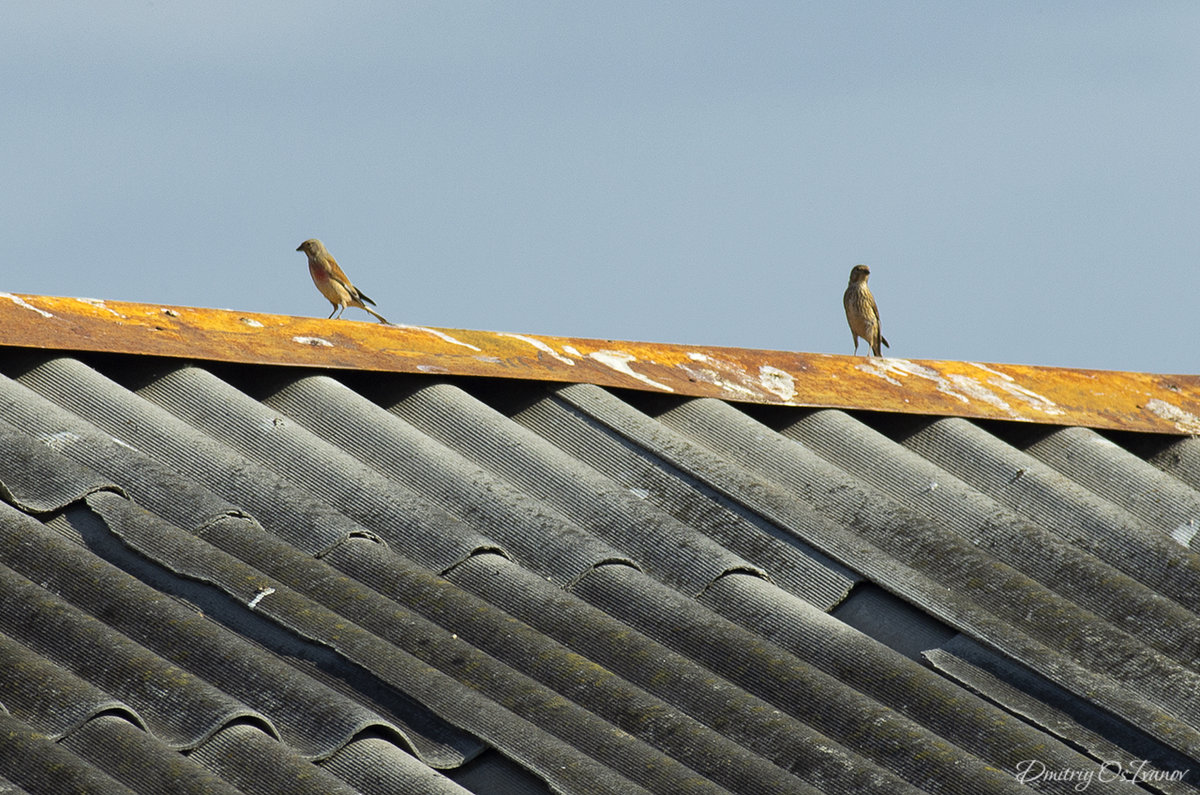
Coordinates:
x,y
1028,393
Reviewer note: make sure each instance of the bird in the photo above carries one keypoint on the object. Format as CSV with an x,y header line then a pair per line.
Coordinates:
x,y
861,312
332,282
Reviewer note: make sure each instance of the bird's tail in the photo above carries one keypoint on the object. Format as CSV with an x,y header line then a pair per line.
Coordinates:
x,y
381,318
883,339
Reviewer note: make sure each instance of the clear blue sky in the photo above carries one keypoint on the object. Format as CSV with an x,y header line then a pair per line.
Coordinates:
x,y
1023,178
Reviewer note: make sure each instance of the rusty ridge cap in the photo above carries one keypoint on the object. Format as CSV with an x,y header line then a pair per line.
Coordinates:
x,y
1061,396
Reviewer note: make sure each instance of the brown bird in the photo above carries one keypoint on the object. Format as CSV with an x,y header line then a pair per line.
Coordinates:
x,y
332,282
861,312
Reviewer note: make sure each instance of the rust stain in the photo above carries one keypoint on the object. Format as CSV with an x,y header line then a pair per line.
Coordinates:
x,y
1061,396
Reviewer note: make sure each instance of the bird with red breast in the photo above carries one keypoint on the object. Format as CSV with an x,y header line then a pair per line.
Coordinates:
x,y
333,282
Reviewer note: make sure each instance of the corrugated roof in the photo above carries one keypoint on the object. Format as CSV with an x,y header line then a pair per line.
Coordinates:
x,y
262,578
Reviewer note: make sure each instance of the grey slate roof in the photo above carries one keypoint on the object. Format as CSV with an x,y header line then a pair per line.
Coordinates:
x,y
271,580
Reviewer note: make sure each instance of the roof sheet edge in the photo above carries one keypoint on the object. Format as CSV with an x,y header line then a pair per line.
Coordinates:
x,y
1061,396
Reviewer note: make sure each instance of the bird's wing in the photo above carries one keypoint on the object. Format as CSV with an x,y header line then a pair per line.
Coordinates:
x,y
878,324
337,274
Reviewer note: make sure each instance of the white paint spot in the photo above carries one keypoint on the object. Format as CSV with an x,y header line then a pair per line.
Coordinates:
x,y
314,341
99,304
59,440
997,391
433,368
21,302
730,376
620,361
541,346
987,369
880,368
709,376
1185,533
777,382
1028,396
262,594
975,389
488,359
1184,421
570,350
251,322
443,336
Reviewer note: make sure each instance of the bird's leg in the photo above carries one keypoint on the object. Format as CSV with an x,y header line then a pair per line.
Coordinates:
x,y
331,313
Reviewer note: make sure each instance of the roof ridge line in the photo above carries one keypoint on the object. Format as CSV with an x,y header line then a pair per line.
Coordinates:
x,y
1105,399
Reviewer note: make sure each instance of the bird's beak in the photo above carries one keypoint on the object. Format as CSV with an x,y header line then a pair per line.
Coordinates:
x,y
300,247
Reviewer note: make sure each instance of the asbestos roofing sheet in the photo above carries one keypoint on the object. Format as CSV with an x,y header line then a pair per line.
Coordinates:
x,y
691,695
127,670
1100,465
526,527
373,764
100,402
653,537
49,697
420,526
1179,457
797,567
281,580
509,706
36,764
1031,548
133,757
1056,503
1055,713
156,485
9,787
255,763
39,483
1107,657
798,629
